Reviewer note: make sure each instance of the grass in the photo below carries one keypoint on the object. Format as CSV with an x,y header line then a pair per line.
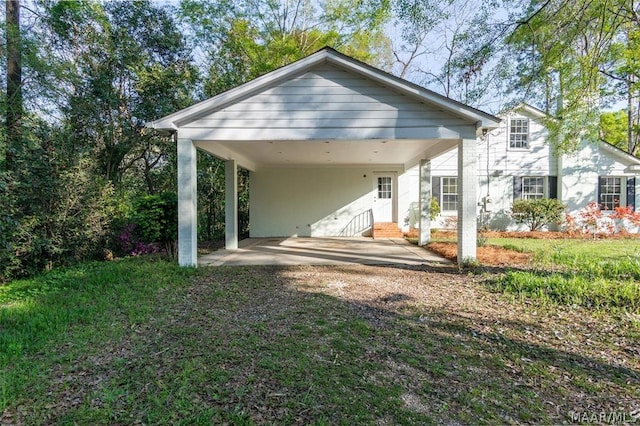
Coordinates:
x,y
141,340
596,274
67,314
551,251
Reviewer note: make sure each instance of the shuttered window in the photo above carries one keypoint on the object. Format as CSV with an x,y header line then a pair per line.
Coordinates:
x,y
533,188
610,193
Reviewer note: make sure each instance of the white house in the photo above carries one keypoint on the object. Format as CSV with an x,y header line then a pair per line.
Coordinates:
x,y
327,140
334,145
516,161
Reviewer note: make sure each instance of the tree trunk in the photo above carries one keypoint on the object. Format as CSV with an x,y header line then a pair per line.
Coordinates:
x,y
14,81
630,115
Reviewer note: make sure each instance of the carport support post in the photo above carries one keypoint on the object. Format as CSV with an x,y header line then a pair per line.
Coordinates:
x,y
467,176
187,204
425,202
637,200
231,204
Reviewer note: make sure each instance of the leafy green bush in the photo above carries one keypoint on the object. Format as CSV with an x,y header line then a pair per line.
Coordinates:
x,y
537,213
434,208
155,221
53,213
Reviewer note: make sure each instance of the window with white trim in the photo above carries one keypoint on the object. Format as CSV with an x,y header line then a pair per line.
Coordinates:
x,y
533,188
384,187
449,194
519,133
611,192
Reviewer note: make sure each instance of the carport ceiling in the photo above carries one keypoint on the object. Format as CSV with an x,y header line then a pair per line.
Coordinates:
x,y
251,154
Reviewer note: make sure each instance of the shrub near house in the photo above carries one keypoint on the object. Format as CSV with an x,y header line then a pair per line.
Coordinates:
x,y
536,213
596,221
152,226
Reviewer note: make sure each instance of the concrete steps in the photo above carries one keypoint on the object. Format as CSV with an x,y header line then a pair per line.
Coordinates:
x,y
386,230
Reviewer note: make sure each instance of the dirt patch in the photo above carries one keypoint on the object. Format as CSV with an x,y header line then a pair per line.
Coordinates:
x,y
487,255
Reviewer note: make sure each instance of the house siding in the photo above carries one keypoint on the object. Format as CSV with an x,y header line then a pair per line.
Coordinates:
x,y
572,178
581,172
497,166
328,103
309,202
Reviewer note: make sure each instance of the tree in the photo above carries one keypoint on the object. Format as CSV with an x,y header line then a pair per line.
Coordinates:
x,y
613,128
450,47
570,59
13,114
580,55
84,76
129,65
248,38
95,72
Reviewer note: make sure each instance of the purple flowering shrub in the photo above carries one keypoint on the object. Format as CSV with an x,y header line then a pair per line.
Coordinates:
x,y
152,227
130,243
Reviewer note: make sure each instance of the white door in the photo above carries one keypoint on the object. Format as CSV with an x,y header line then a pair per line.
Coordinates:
x,y
383,198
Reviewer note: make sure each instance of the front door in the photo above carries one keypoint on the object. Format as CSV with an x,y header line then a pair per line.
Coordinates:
x,y
383,195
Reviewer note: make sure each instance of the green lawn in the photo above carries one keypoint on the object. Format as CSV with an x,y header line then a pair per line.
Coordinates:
x,y
548,250
601,273
143,341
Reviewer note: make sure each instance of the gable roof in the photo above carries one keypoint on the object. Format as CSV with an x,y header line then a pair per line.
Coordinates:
x,y
632,159
530,109
330,56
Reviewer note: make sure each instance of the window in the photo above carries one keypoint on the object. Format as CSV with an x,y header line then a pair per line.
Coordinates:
x,y
535,187
610,190
519,133
532,188
449,200
384,187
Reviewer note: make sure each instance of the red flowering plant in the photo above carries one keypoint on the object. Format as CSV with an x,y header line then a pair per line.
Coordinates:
x,y
594,222
570,224
620,215
623,216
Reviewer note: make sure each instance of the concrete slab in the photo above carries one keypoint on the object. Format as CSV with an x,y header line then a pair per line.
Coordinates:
x,y
322,251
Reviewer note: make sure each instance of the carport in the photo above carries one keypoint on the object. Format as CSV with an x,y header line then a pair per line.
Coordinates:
x,y
314,135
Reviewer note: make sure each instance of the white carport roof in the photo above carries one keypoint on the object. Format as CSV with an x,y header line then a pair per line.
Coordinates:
x,y
328,137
